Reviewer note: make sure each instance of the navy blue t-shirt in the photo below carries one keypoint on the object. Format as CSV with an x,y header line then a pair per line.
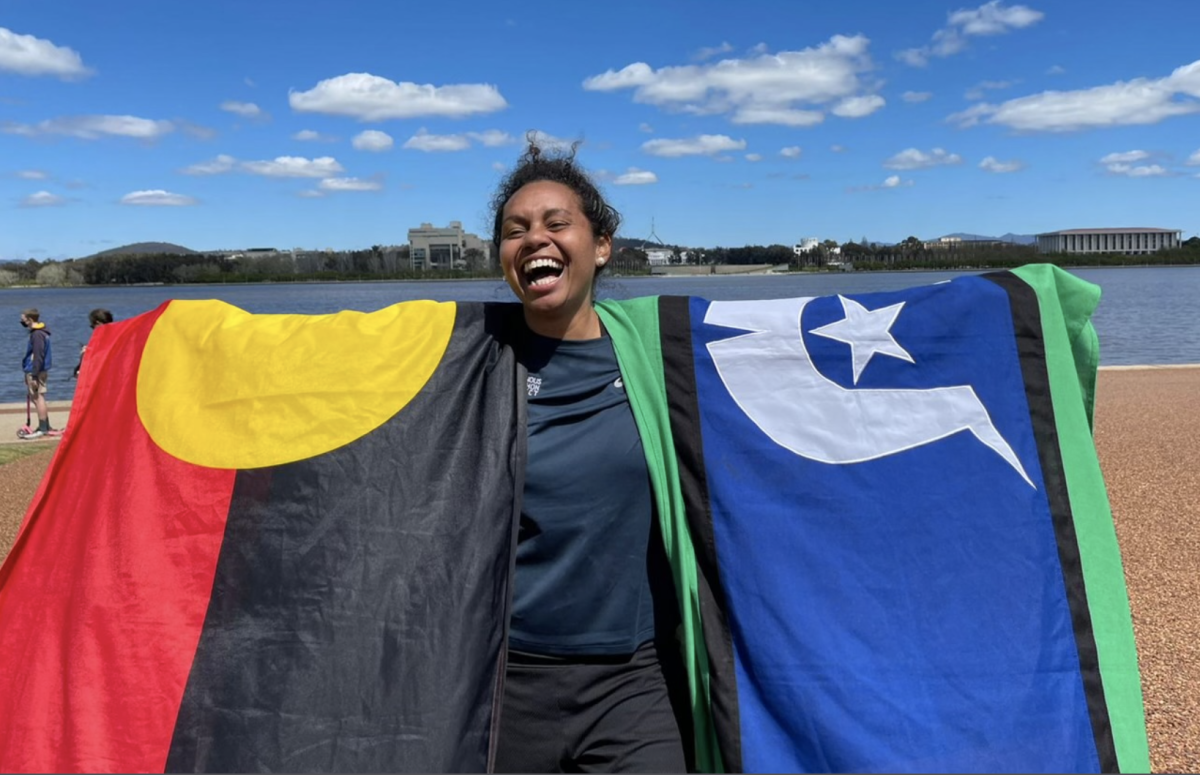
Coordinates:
x,y
583,553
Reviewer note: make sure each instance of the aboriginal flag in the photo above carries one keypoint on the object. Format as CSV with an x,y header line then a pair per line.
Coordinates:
x,y
270,542
901,554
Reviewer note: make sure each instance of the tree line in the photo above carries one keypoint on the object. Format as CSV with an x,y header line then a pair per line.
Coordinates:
x,y
393,263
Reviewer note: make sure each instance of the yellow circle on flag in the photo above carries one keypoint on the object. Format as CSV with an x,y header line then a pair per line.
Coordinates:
x,y
223,388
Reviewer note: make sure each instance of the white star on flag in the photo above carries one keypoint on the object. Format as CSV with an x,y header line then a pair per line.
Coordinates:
x,y
867,332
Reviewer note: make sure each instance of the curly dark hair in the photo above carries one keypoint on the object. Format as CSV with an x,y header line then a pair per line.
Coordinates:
x,y
99,317
537,165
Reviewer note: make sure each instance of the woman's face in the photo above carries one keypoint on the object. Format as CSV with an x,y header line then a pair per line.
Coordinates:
x,y
550,256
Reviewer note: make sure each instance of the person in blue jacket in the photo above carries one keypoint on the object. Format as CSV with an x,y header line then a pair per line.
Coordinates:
x,y
36,366
594,673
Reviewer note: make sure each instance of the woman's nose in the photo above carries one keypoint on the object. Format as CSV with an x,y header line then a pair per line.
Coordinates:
x,y
535,236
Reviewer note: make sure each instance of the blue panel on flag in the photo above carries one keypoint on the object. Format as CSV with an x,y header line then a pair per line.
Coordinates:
x,y
885,543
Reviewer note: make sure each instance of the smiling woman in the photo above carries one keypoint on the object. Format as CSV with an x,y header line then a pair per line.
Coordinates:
x,y
594,609
555,233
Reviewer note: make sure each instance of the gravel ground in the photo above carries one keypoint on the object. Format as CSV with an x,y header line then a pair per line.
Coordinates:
x,y
1147,434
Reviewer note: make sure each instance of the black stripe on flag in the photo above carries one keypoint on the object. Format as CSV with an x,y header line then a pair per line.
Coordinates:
x,y
1027,327
359,611
680,374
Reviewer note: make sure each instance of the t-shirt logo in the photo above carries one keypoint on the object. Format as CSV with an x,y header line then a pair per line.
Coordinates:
x,y
534,385
619,385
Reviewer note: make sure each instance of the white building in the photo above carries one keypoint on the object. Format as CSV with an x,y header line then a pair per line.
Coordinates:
x,y
1127,241
658,256
442,247
806,245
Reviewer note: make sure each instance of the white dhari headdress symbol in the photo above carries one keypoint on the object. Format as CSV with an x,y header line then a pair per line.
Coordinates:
x,y
816,418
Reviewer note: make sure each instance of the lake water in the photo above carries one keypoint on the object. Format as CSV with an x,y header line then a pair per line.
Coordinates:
x,y
1146,314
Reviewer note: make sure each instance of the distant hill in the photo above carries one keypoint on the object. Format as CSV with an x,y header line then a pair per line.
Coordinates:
x,y
144,247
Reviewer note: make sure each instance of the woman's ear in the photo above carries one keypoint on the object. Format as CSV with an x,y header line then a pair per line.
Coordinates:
x,y
603,250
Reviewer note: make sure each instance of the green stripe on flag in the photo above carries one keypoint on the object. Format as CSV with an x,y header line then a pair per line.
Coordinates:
x,y
633,326
1072,356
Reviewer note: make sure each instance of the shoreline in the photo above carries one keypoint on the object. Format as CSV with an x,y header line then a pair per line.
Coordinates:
x,y
723,270
1147,435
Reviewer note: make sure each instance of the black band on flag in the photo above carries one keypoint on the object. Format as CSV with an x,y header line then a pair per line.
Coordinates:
x,y
680,375
1027,328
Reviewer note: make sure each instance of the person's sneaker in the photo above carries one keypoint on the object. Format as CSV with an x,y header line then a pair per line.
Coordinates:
x,y
35,434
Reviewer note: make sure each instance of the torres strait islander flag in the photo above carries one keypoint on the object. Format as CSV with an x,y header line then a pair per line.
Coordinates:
x,y
269,542
285,542
903,556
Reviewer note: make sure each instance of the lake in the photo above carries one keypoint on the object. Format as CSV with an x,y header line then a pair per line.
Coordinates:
x,y
1145,315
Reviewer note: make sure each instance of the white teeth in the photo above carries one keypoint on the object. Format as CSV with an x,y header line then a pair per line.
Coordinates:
x,y
542,263
548,279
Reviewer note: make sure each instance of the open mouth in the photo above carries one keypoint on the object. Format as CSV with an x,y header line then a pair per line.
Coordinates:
x,y
542,271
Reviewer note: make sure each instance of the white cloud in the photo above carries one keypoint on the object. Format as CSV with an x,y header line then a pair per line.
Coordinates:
x,y
1055,70
92,127
992,164
295,167
310,193
218,166
793,88
976,92
913,159
313,136
1194,159
350,184
857,107
243,109
916,96
773,115
499,166
1124,103
709,53
27,55
32,175
1137,171
369,97
423,141
838,148
992,18
492,138
1125,157
644,127
702,145
157,198
42,199
635,177
1123,163
372,140
754,157
791,152
892,181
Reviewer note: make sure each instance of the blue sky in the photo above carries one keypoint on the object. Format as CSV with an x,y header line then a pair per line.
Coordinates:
x,y
319,124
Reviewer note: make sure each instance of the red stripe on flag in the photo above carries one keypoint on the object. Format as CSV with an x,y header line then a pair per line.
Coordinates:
x,y
104,594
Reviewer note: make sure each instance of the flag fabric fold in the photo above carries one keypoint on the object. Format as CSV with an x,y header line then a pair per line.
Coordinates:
x,y
887,527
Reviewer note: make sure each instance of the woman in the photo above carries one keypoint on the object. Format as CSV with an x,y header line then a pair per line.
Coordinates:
x,y
96,317
592,670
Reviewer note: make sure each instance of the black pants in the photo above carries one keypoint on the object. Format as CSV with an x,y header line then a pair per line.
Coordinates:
x,y
596,714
